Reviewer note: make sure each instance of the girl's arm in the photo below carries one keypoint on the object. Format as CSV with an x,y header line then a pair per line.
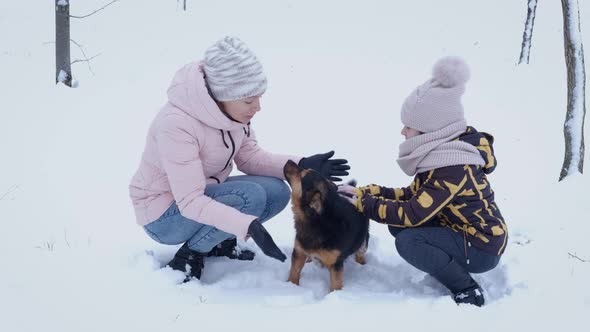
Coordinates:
x,y
433,196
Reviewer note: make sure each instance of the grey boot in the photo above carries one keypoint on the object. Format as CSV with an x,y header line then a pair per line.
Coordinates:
x,y
460,283
472,295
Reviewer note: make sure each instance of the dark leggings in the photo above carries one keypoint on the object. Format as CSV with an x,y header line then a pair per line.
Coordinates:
x,y
444,254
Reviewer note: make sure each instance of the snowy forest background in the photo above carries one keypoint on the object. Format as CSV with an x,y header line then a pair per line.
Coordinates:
x,y
74,260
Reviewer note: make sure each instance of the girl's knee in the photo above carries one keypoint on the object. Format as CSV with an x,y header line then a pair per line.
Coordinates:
x,y
408,241
483,264
403,241
394,231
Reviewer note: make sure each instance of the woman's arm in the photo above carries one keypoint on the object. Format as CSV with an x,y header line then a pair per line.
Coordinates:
x,y
178,147
252,159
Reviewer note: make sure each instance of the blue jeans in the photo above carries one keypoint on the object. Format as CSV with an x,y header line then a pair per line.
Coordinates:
x,y
442,253
260,196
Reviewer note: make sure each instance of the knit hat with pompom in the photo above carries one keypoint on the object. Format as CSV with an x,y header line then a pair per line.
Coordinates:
x,y
436,104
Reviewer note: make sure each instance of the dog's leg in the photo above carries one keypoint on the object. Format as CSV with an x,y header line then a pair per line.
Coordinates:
x,y
336,276
359,256
298,258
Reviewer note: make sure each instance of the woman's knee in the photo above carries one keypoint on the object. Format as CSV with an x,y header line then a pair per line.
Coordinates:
x,y
279,191
277,196
172,235
247,197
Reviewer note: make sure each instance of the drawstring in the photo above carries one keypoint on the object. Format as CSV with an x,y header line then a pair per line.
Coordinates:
x,y
223,138
465,242
233,148
247,132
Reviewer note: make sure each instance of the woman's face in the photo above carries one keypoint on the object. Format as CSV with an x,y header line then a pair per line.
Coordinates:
x,y
241,110
410,132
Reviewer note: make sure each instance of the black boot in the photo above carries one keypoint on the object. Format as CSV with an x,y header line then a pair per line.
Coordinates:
x,y
228,248
460,283
188,261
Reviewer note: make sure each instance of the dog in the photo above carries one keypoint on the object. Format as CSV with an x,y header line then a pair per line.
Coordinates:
x,y
327,227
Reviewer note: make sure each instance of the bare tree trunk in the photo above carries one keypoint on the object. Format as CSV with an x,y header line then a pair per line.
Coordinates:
x,y
527,35
63,69
184,5
573,128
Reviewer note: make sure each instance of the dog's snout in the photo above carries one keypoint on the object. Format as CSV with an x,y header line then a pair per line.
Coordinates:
x,y
291,170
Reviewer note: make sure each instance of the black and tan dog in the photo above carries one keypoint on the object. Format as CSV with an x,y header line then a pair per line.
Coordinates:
x,y
327,227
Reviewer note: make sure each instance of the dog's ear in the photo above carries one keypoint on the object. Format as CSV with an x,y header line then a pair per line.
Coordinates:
x,y
316,202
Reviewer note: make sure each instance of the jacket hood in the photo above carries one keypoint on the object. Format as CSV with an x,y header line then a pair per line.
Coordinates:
x,y
483,143
188,92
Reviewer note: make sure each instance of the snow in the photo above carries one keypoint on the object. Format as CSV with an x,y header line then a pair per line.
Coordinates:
x,y
74,260
62,76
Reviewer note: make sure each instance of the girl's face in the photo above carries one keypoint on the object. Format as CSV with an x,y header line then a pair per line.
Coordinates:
x,y
410,132
241,110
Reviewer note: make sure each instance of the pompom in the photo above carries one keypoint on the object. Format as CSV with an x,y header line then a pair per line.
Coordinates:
x,y
450,71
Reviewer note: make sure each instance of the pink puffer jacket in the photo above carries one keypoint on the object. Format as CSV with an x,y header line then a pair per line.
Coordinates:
x,y
190,144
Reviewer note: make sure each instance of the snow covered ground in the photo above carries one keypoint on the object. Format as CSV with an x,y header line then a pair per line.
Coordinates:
x,y
72,258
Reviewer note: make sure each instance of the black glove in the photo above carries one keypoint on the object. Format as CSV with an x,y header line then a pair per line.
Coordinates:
x,y
259,234
330,168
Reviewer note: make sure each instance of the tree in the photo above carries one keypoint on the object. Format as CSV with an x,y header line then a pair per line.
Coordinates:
x,y
527,35
573,127
63,63
63,67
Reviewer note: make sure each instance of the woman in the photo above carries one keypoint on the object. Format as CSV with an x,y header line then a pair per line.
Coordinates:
x,y
182,191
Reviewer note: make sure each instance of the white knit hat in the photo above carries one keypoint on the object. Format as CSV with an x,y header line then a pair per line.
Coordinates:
x,y
232,71
437,103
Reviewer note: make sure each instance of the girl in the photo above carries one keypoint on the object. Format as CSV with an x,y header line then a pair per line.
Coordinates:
x,y
446,223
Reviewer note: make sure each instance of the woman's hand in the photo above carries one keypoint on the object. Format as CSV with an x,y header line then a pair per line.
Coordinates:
x,y
323,164
261,237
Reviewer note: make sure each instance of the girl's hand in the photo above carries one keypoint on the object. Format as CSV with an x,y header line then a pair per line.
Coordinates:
x,y
352,200
347,190
349,193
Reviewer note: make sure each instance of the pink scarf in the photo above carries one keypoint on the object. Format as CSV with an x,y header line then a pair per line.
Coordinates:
x,y
437,149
